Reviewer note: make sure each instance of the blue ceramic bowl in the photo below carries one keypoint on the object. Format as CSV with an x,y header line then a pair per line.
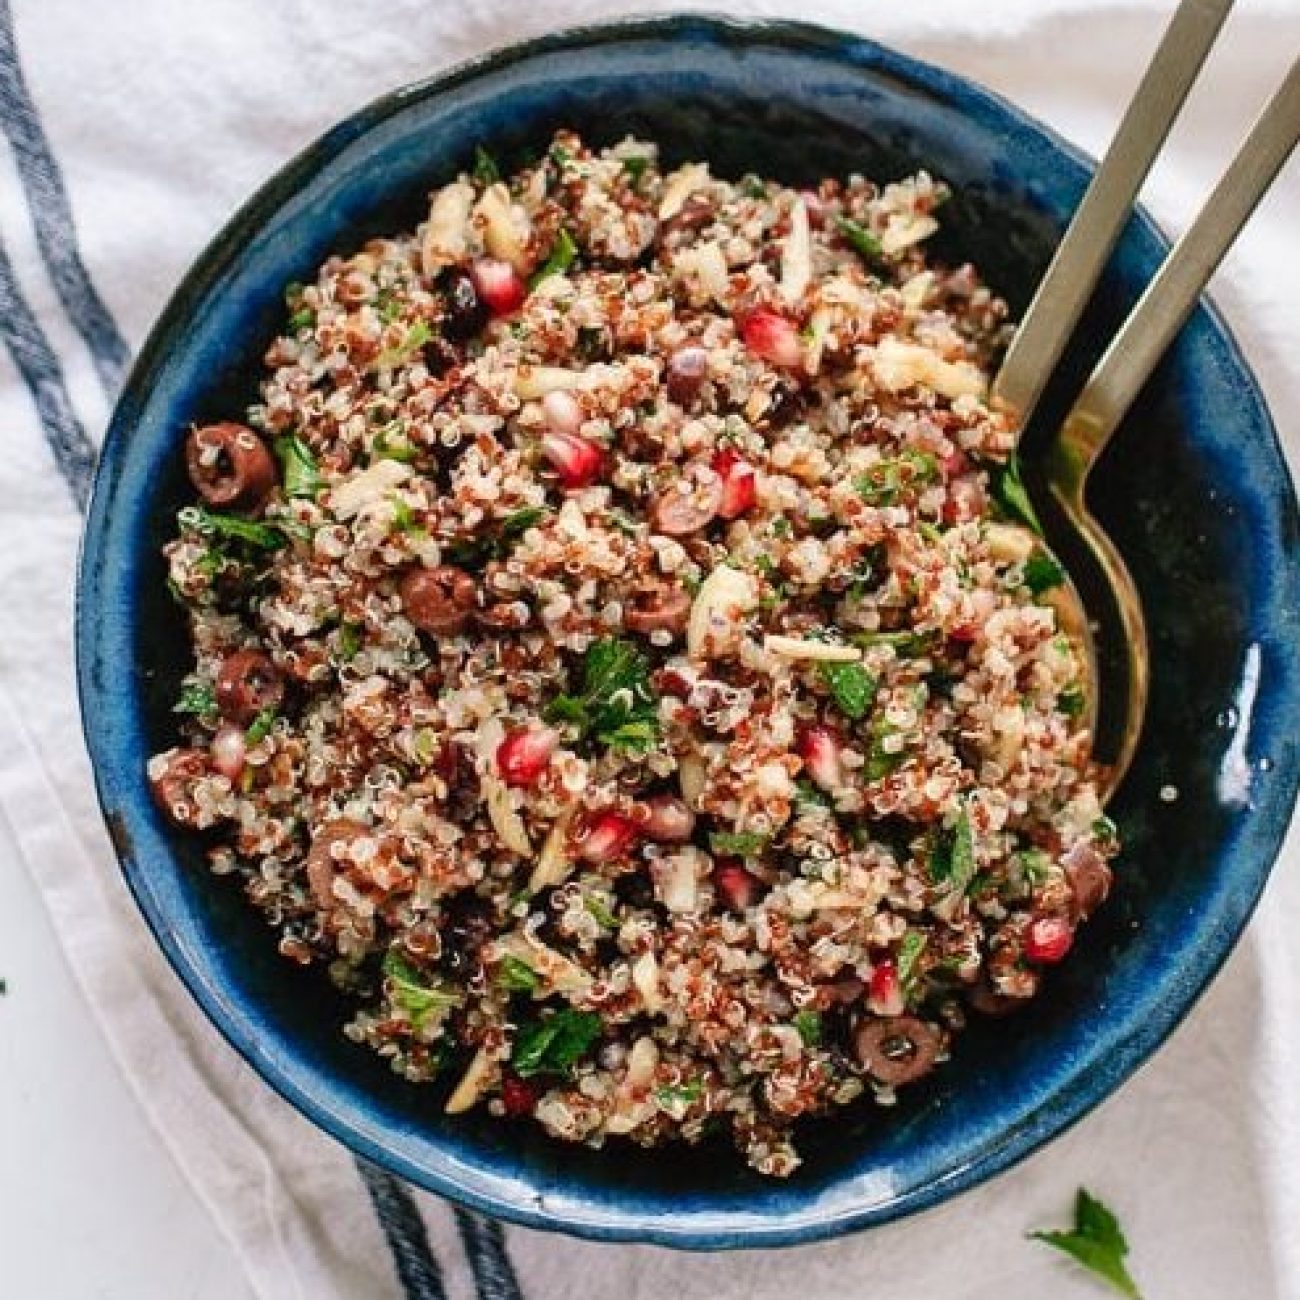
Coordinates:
x,y
1195,492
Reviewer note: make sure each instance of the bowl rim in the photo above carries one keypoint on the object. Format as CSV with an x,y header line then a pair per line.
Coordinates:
x,y
1060,1110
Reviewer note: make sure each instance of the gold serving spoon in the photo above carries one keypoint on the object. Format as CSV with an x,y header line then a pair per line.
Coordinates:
x,y
1101,589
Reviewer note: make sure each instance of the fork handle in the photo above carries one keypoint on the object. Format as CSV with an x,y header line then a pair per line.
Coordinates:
x,y
1168,300
1083,252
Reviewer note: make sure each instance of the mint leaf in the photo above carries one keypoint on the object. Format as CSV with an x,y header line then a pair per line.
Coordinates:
x,y
809,1025
1072,701
556,1044
737,844
635,167
211,523
851,686
616,705
952,860
677,1096
260,727
599,911
417,996
301,473
564,253
1010,493
517,976
859,238
1097,1243
197,698
516,525
909,953
416,337
1042,573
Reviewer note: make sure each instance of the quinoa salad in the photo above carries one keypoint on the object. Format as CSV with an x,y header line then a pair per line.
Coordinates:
x,y
624,655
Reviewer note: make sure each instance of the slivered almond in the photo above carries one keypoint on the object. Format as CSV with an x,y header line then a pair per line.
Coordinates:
x,y
796,255
553,862
472,1084
645,975
679,187
367,487
446,235
501,234
791,647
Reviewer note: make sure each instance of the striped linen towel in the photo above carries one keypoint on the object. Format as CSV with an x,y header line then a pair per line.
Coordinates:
x,y
133,131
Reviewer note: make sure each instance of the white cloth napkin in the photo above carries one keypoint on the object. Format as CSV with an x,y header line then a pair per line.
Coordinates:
x,y
162,118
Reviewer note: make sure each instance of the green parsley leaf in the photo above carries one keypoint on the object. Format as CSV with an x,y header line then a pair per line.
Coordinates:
x,y
197,698
886,481
904,644
303,319
404,519
616,705
517,976
211,523
860,239
556,1044
1012,496
678,1096
1104,828
416,337
952,858
635,167
1072,701
782,527
851,686
301,473
753,187
1042,573
516,525
485,169
391,443
808,795
416,995
599,909
260,727
909,953
1097,1242
559,155
562,256
738,844
809,1025
349,641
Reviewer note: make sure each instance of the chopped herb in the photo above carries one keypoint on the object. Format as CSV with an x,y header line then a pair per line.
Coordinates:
x,y
599,910
303,319
1072,701
210,523
391,443
1033,865
909,954
952,857
903,644
616,705
884,482
559,155
679,1095
1104,829
416,337
737,844
808,795
388,305
411,991
621,520
516,525
1097,1242
753,187
197,698
782,528
556,1044
301,473
404,518
635,167
809,1025
851,686
260,727
859,238
468,552
349,641
562,256
1042,573
212,562
517,976
485,169
425,746
1010,493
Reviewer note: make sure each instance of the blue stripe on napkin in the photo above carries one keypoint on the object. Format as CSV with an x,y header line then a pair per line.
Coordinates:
x,y
485,1244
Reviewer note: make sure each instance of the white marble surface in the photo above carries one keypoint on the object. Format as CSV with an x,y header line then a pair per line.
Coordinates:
x,y
92,1207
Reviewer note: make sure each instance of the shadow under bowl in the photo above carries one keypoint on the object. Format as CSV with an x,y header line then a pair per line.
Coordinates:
x,y
1195,491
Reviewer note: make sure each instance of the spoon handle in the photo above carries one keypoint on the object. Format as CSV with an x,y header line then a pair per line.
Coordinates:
x,y
1083,252
1169,298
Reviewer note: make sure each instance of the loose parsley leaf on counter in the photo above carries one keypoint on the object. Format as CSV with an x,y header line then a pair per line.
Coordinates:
x,y
556,1044
301,473
616,705
1097,1243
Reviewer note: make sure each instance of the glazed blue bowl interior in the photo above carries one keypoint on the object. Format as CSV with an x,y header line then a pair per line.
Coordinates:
x,y
1195,492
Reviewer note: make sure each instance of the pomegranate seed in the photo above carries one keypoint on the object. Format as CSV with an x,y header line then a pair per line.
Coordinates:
x,y
885,993
737,886
769,335
609,836
670,820
523,755
739,483
819,747
1048,939
674,682
578,461
499,285
229,746
518,1096
562,411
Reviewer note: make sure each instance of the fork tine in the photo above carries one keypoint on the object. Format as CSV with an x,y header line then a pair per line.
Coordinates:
x,y
1100,216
